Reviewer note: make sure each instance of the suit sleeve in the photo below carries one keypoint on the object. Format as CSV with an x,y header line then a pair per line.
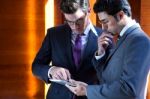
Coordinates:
x,y
98,63
40,65
134,75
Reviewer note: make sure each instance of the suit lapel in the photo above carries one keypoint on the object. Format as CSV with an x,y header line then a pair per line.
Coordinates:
x,y
68,50
112,51
90,46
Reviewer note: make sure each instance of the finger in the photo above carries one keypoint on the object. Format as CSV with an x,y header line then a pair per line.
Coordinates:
x,y
105,44
58,75
55,72
108,40
72,81
55,77
106,35
68,74
72,89
64,74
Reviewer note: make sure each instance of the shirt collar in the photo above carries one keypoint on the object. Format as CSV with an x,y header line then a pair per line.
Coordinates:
x,y
129,24
90,27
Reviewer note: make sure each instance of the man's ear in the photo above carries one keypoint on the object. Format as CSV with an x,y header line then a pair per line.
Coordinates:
x,y
120,15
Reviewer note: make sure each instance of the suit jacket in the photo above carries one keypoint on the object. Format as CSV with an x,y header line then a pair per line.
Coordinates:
x,y
123,72
57,48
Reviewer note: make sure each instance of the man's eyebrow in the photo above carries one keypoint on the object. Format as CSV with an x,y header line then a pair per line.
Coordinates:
x,y
75,20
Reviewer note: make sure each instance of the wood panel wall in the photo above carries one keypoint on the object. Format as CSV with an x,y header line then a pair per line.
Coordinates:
x,y
145,15
58,16
21,32
145,23
136,9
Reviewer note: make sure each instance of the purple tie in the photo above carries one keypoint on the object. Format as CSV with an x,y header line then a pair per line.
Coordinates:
x,y
77,51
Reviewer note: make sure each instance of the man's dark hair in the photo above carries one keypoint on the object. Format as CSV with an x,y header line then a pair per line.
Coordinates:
x,y
112,7
71,6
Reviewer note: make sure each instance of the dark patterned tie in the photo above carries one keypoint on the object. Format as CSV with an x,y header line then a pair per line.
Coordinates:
x,y
77,51
116,38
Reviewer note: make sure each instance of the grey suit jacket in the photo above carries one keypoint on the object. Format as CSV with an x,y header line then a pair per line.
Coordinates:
x,y
123,72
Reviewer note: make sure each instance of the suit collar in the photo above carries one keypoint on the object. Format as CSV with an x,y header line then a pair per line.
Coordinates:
x,y
127,32
67,38
126,27
93,30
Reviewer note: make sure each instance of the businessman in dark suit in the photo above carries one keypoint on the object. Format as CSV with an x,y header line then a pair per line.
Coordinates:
x,y
122,69
59,45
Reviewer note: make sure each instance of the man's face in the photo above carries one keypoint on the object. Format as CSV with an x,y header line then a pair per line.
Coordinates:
x,y
77,21
108,22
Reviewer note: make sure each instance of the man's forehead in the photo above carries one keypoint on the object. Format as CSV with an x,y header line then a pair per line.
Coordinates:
x,y
102,15
78,14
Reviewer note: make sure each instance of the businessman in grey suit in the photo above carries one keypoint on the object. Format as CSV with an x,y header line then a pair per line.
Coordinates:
x,y
122,69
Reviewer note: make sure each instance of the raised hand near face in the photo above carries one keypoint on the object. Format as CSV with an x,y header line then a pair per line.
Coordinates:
x,y
104,41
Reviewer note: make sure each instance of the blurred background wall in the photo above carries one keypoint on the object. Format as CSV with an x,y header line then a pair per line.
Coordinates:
x,y
22,29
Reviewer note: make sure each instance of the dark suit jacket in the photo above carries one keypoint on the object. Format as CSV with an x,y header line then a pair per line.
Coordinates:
x,y
57,48
123,72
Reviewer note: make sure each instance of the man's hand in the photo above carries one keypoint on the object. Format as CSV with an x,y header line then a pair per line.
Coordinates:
x,y
79,89
104,41
60,73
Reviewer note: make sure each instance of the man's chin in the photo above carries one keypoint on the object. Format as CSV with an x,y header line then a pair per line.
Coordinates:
x,y
78,32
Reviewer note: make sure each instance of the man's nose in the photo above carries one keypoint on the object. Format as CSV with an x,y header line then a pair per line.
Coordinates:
x,y
73,26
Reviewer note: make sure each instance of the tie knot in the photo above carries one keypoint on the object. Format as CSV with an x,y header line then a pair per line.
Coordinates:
x,y
116,38
78,38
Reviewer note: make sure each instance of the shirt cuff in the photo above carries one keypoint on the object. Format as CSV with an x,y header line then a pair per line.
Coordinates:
x,y
86,92
49,72
99,56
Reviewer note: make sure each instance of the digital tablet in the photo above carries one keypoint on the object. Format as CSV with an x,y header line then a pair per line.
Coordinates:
x,y
62,82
